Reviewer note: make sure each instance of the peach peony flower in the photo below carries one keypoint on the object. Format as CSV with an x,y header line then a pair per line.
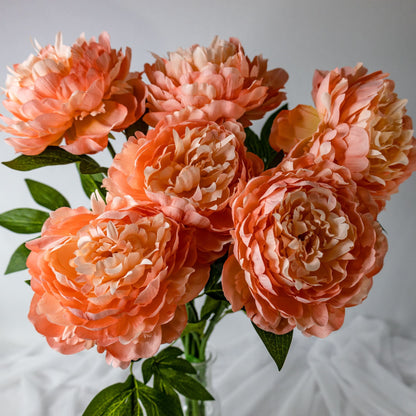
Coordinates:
x,y
73,94
219,80
359,122
203,163
117,277
305,248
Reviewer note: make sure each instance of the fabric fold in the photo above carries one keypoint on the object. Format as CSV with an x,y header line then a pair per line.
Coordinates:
x,y
364,369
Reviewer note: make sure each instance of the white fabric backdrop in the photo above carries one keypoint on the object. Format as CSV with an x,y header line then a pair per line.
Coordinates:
x,y
362,370
366,368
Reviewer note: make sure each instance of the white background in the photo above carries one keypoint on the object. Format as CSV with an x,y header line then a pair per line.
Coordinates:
x,y
297,35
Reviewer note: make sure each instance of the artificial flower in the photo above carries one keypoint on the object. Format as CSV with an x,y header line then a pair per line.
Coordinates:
x,y
301,241
117,277
201,162
72,97
305,248
219,81
359,122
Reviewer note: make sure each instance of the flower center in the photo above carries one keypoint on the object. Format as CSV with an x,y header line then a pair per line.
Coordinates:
x,y
200,167
109,258
315,235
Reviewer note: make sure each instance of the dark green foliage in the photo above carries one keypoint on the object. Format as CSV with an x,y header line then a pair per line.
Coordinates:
x,y
91,182
45,195
53,156
23,220
170,370
17,261
261,146
116,400
277,345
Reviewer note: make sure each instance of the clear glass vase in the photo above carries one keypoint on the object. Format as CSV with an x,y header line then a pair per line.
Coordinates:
x,y
204,376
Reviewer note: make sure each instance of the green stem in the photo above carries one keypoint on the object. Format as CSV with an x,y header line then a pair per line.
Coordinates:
x,y
111,149
205,337
195,349
192,341
192,312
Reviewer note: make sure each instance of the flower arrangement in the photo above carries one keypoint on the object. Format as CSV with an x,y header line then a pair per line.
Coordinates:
x,y
197,216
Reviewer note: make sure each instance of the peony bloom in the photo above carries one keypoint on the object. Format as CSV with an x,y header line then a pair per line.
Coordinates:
x,y
117,277
75,95
305,248
200,162
359,122
219,82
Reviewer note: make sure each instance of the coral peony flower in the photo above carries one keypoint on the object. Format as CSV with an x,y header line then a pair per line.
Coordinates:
x,y
117,277
73,94
359,122
305,248
203,163
220,81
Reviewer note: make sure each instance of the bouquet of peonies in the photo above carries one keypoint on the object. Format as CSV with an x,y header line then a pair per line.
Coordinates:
x,y
197,216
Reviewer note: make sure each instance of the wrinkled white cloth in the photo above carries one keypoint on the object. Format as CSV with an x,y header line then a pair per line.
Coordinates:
x,y
361,370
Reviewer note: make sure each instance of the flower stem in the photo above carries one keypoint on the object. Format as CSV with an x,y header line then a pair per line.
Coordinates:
x,y
205,337
111,150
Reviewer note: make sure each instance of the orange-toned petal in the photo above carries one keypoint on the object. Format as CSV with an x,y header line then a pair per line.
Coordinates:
x,y
72,97
306,246
219,80
116,277
292,126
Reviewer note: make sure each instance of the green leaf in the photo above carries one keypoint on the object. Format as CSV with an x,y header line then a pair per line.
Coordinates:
x,y
52,156
272,158
167,353
17,261
135,409
216,293
255,146
119,399
178,364
139,125
174,401
46,196
91,182
252,142
186,385
209,307
275,158
89,165
171,372
166,357
147,369
157,403
23,220
261,146
213,288
169,358
192,312
216,271
277,345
